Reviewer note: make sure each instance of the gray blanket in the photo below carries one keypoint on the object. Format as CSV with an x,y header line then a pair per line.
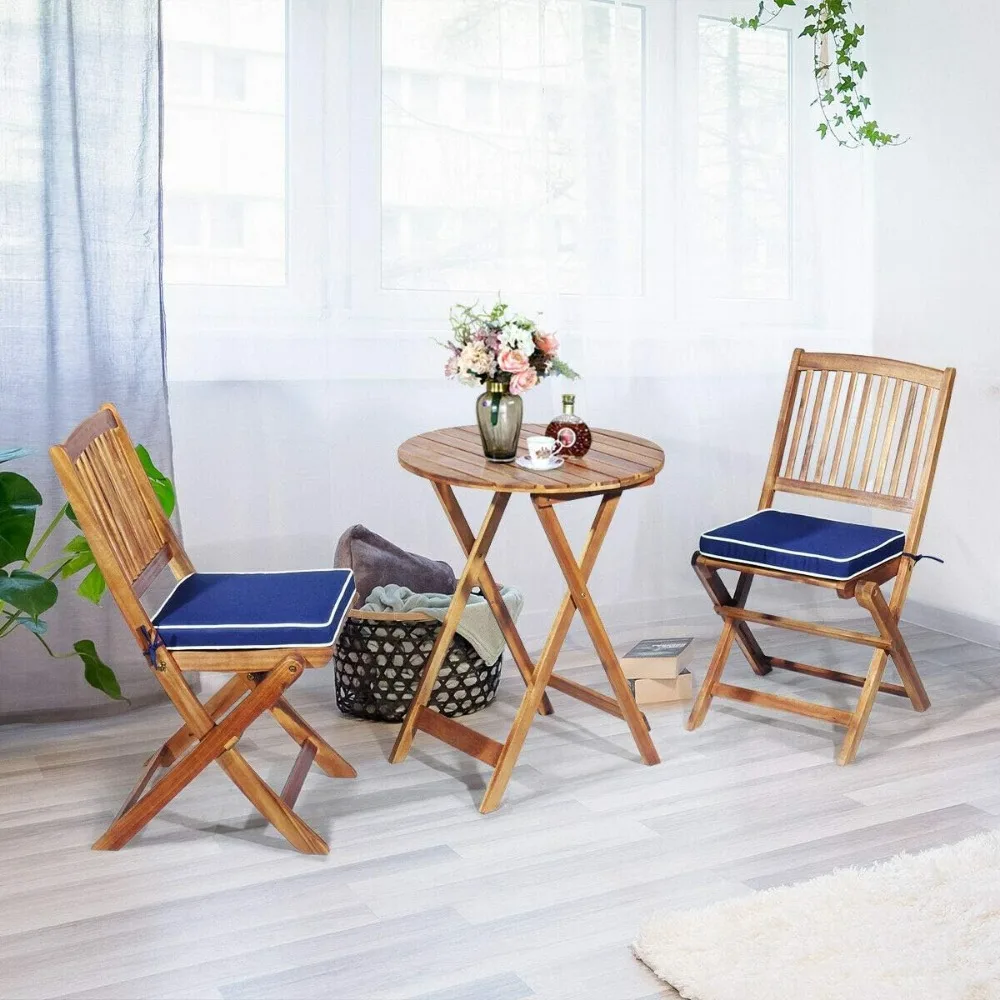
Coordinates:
x,y
477,624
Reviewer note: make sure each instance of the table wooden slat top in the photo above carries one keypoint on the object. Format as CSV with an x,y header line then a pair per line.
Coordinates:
x,y
454,455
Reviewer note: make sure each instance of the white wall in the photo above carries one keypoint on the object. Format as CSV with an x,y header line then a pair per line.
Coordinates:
x,y
937,226
269,473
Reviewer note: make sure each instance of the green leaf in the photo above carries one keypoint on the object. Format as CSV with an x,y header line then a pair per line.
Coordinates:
x,y
72,516
558,367
79,562
9,454
79,547
92,586
35,625
96,672
162,486
19,503
27,591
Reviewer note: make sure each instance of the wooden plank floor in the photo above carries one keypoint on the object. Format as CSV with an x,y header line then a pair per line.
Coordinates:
x,y
421,896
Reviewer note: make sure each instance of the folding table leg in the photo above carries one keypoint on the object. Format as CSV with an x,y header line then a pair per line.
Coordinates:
x,y
471,572
576,579
491,591
546,662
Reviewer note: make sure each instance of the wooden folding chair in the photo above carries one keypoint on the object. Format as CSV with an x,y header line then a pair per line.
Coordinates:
x,y
858,429
133,542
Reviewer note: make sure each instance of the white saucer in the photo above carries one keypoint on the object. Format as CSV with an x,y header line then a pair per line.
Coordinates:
x,y
525,463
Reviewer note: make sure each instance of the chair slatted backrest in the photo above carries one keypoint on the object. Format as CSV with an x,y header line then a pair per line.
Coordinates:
x,y
860,429
128,532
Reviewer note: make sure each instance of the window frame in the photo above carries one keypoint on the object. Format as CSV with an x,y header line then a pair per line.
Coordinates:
x,y
192,306
800,305
373,305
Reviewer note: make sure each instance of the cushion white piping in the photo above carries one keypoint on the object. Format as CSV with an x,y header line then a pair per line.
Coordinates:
x,y
298,645
793,552
349,580
800,572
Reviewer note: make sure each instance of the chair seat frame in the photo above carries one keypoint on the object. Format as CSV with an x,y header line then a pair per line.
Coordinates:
x,y
839,415
133,542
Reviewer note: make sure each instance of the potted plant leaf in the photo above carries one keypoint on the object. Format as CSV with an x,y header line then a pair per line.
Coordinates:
x,y
28,590
838,69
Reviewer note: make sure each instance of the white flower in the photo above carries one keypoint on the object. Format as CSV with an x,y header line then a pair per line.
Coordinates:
x,y
515,339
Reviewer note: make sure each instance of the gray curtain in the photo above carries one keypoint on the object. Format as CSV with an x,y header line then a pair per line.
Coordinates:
x,y
80,296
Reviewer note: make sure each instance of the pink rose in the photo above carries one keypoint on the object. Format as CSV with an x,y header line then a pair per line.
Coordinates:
x,y
523,381
546,342
513,362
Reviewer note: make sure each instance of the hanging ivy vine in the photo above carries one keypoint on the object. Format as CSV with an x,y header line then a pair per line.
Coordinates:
x,y
837,68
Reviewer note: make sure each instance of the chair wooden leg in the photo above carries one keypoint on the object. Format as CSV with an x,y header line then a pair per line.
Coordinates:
x,y
216,706
297,775
759,661
327,759
219,739
158,760
856,727
869,596
712,675
270,805
471,572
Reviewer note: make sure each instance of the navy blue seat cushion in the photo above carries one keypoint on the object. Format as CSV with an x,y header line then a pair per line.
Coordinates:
x,y
812,546
256,610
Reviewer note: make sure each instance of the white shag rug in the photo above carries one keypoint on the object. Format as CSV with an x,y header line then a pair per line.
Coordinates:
x,y
917,927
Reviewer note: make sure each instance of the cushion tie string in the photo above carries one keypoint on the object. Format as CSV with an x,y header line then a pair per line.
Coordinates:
x,y
917,558
153,642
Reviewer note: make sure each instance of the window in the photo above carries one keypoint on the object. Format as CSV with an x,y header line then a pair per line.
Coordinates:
x,y
337,170
512,146
743,161
224,142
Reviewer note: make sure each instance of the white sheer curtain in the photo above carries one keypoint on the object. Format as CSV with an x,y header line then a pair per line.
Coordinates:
x,y
642,172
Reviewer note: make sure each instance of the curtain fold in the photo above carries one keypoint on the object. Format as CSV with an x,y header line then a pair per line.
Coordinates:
x,y
80,289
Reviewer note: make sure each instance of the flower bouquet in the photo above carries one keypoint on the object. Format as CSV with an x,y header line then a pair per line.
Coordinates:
x,y
508,354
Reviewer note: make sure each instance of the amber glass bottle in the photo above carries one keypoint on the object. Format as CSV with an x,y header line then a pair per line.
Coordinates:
x,y
570,430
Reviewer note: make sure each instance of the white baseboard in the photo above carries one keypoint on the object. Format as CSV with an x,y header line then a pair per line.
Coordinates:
x,y
954,623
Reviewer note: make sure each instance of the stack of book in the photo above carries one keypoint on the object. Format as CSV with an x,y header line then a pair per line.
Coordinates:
x,y
656,670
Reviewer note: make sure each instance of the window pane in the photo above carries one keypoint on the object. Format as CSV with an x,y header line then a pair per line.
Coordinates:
x,y
743,220
512,145
224,141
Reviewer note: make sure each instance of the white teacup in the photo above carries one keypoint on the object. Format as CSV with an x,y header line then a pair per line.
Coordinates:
x,y
542,450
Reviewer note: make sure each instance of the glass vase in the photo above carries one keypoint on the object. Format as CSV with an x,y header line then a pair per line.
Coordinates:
x,y
499,414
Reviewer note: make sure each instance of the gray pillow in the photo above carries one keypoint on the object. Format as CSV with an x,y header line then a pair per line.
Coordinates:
x,y
376,562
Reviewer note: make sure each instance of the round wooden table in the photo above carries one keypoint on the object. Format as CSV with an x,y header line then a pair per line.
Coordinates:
x,y
454,457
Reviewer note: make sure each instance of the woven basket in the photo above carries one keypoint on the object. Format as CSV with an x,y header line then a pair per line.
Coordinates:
x,y
379,659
